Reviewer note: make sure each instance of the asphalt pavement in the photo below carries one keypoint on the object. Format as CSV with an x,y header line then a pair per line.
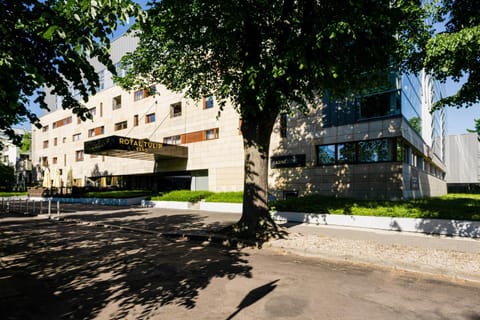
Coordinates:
x,y
455,258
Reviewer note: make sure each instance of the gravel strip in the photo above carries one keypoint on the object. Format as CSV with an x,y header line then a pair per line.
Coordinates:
x,y
451,264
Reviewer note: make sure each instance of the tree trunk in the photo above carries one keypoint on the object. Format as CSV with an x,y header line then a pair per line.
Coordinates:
x,y
256,222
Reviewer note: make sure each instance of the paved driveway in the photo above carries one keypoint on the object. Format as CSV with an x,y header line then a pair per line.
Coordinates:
x,y
71,270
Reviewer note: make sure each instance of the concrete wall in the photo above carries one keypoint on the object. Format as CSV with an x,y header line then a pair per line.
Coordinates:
x,y
463,158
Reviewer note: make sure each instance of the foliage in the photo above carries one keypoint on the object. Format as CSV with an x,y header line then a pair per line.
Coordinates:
x,y
26,142
47,45
117,194
416,124
451,206
267,57
454,52
477,127
7,177
229,197
12,194
183,195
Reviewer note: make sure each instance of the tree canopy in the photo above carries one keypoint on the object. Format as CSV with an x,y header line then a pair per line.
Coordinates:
x,y
477,127
455,51
47,44
271,56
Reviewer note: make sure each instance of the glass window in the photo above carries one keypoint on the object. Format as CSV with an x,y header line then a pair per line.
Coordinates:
x,y
120,125
93,111
79,155
176,110
135,120
167,140
149,118
45,144
176,139
375,150
211,134
346,152
208,102
379,105
101,80
116,102
326,154
76,137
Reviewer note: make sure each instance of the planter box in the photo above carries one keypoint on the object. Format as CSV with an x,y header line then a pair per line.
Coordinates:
x,y
221,207
168,204
429,226
101,201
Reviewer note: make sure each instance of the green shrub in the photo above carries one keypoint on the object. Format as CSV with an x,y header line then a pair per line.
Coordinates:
x,y
230,197
183,195
451,206
117,194
12,194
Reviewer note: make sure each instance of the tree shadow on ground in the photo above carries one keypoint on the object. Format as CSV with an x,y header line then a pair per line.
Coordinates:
x,y
73,271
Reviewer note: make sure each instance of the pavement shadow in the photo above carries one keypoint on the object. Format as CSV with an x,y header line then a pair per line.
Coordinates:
x,y
65,270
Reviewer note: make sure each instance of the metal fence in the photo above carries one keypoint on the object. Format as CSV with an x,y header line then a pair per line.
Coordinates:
x,y
28,206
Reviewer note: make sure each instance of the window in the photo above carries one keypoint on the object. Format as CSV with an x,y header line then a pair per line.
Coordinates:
x,y
55,141
62,122
77,137
45,161
346,152
96,131
149,118
64,139
120,71
135,120
93,111
283,125
176,110
326,154
45,128
211,134
101,109
173,139
176,139
116,102
101,80
143,93
79,155
379,105
375,150
208,102
45,144
64,160
54,160
121,125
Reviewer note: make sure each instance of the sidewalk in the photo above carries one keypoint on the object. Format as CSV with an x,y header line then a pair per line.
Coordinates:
x,y
449,257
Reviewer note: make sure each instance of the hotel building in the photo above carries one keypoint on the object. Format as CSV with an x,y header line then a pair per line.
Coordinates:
x,y
386,145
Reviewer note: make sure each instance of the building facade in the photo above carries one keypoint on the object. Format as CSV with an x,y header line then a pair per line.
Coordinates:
x,y
385,145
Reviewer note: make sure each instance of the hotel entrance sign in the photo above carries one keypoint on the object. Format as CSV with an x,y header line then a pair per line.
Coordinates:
x,y
125,147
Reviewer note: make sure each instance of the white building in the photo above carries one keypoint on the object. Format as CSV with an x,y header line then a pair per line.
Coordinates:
x,y
380,146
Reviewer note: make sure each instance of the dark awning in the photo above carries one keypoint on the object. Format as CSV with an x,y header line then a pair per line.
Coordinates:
x,y
142,149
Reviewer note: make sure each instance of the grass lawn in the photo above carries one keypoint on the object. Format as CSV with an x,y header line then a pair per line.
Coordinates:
x,y
451,206
13,194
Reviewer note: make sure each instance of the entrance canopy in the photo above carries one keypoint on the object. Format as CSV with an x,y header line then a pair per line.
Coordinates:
x,y
142,149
